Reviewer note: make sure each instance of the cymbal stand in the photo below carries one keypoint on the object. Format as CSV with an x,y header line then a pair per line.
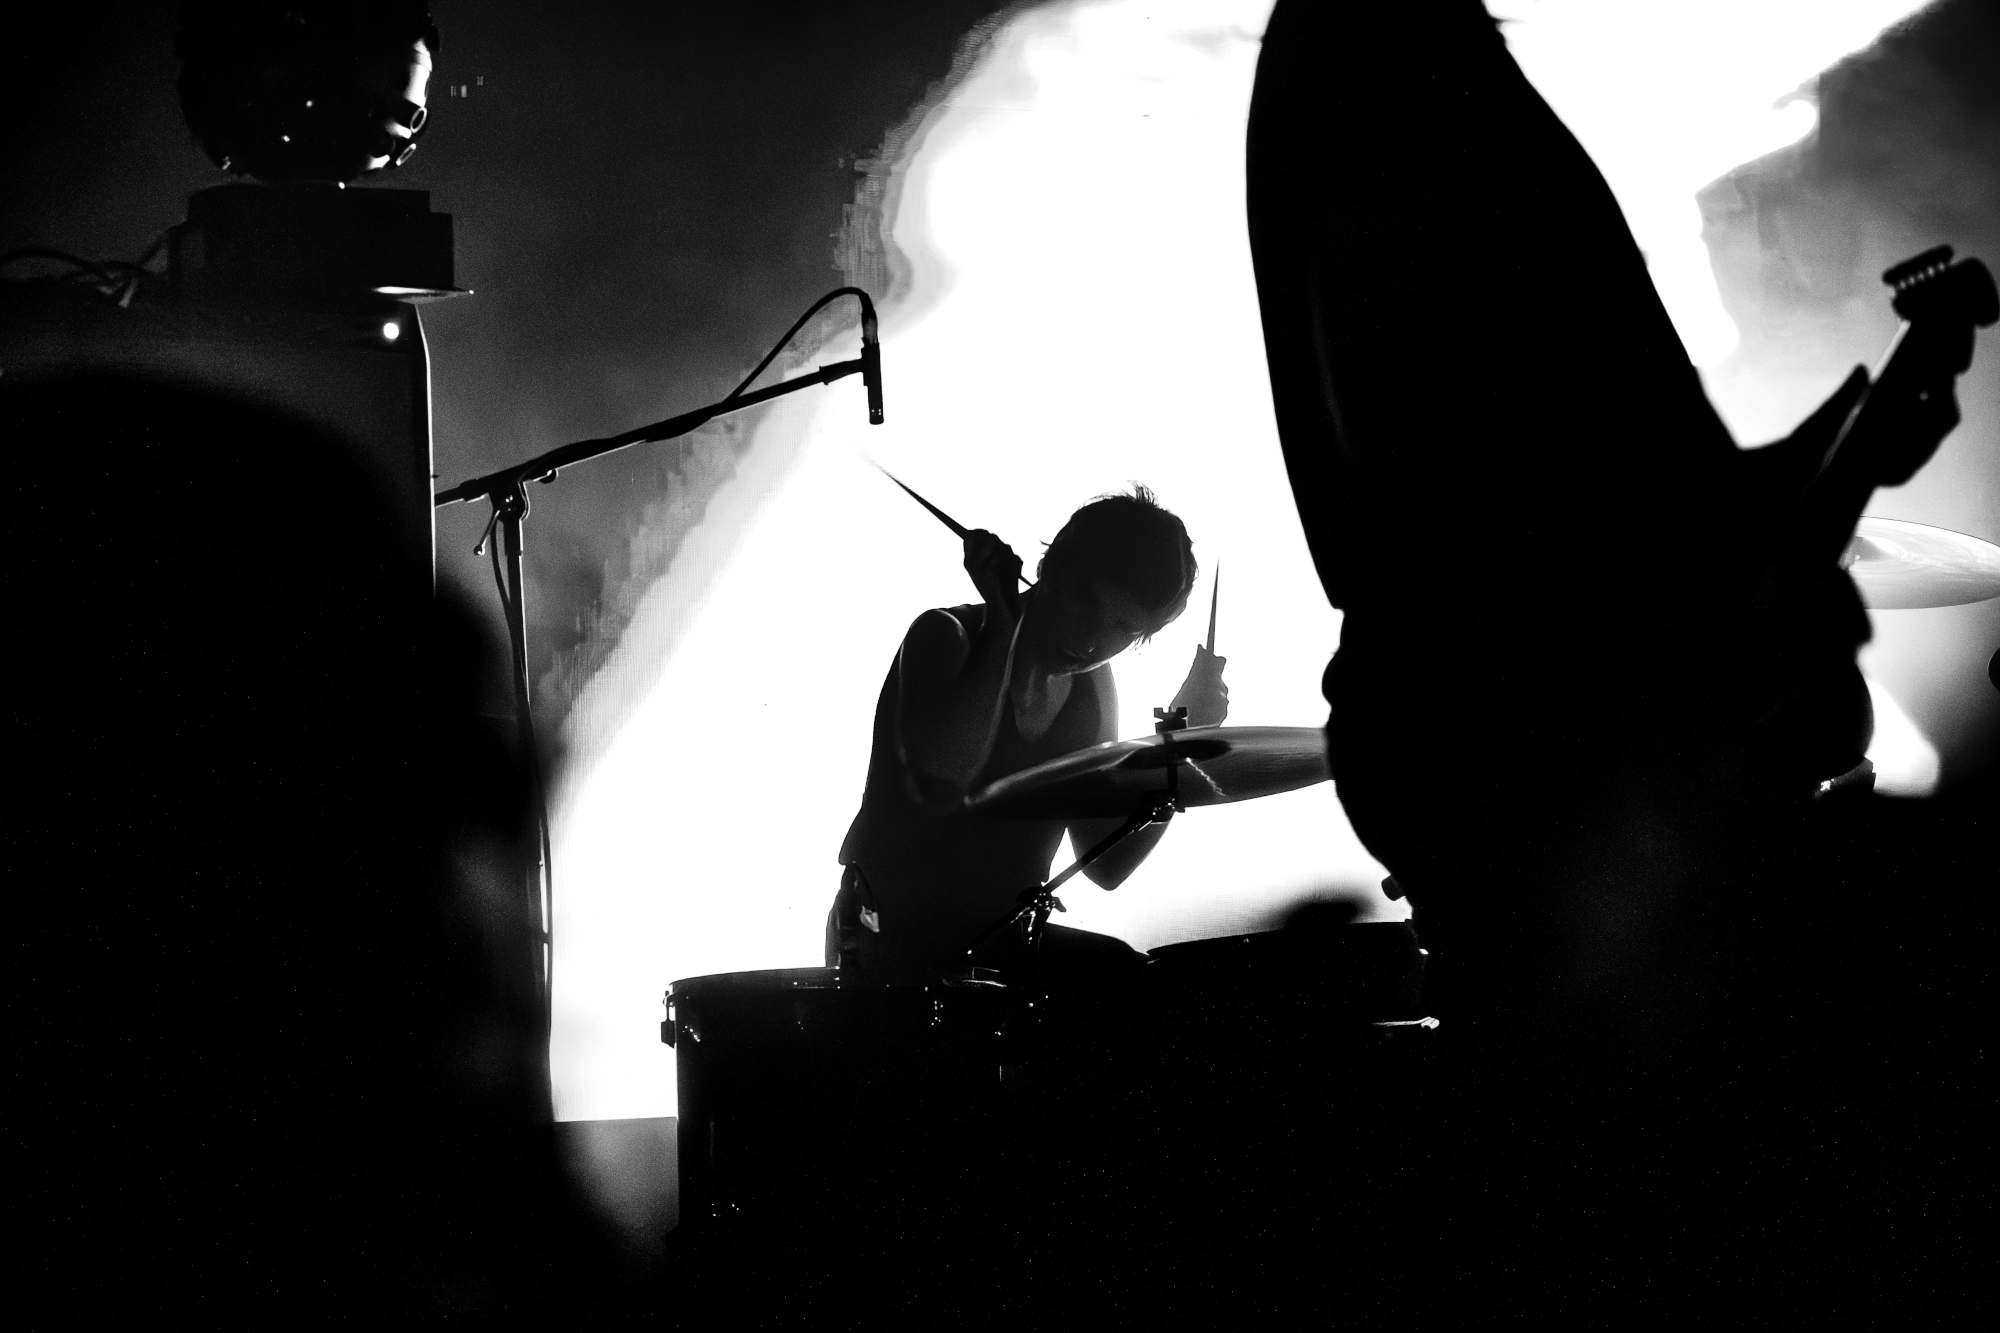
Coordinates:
x,y
1034,908
1034,905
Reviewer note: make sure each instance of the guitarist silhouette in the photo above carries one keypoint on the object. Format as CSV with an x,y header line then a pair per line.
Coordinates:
x,y
1597,663
1563,727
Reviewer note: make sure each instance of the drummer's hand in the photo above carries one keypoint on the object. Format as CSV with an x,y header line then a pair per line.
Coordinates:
x,y
995,571
1203,693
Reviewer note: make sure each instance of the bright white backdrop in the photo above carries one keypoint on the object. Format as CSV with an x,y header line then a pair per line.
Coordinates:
x,y
1080,315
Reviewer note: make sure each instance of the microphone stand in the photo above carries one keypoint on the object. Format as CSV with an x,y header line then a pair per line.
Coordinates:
x,y
507,491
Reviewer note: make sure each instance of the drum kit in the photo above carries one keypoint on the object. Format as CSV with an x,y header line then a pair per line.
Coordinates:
x,y
775,1067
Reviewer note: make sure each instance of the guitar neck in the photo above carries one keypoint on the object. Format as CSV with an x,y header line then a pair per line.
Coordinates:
x,y
1909,406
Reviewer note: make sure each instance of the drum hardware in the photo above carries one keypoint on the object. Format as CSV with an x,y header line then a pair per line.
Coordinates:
x,y
1147,806
1034,905
1145,781
791,1078
802,1088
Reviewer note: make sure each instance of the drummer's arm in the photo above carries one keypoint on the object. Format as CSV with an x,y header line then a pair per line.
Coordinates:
x,y
1111,869
950,686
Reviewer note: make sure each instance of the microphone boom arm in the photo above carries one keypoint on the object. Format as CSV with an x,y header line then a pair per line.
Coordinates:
x,y
544,467
506,489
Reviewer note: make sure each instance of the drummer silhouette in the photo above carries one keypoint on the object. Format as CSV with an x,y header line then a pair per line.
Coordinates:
x,y
985,689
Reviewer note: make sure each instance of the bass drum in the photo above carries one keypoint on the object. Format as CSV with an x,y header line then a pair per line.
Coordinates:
x,y
802,1091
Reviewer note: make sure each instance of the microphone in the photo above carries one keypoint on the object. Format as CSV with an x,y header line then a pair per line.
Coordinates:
x,y
871,362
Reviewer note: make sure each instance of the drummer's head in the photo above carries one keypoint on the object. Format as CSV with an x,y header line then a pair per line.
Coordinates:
x,y
1119,572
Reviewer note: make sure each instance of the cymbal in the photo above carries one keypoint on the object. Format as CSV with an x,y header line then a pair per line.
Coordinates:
x,y
1901,566
1216,765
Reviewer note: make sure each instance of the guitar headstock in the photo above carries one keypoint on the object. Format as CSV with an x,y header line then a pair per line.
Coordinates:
x,y
1930,286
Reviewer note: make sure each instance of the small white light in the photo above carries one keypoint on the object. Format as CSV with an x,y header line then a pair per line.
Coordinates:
x,y
391,330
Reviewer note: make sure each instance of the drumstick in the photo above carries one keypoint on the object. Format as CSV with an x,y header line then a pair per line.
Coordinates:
x,y
939,514
1214,596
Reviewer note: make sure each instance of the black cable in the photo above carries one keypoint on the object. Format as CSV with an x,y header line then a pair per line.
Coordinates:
x,y
104,270
506,598
118,280
77,263
792,333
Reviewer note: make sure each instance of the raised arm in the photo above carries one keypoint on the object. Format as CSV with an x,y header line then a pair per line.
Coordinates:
x,y
952,685
1206,699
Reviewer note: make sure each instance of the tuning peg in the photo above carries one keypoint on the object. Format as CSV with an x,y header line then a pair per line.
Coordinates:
x,y
1918,267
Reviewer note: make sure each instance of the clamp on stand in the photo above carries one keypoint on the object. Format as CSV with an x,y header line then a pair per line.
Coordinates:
x,y
1034,905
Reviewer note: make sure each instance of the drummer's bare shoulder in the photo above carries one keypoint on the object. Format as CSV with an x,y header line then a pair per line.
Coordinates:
x,y
940,639
951,680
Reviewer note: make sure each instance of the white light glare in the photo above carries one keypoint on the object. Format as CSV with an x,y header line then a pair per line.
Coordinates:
x,y
1906,763
1669,95
1090,164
